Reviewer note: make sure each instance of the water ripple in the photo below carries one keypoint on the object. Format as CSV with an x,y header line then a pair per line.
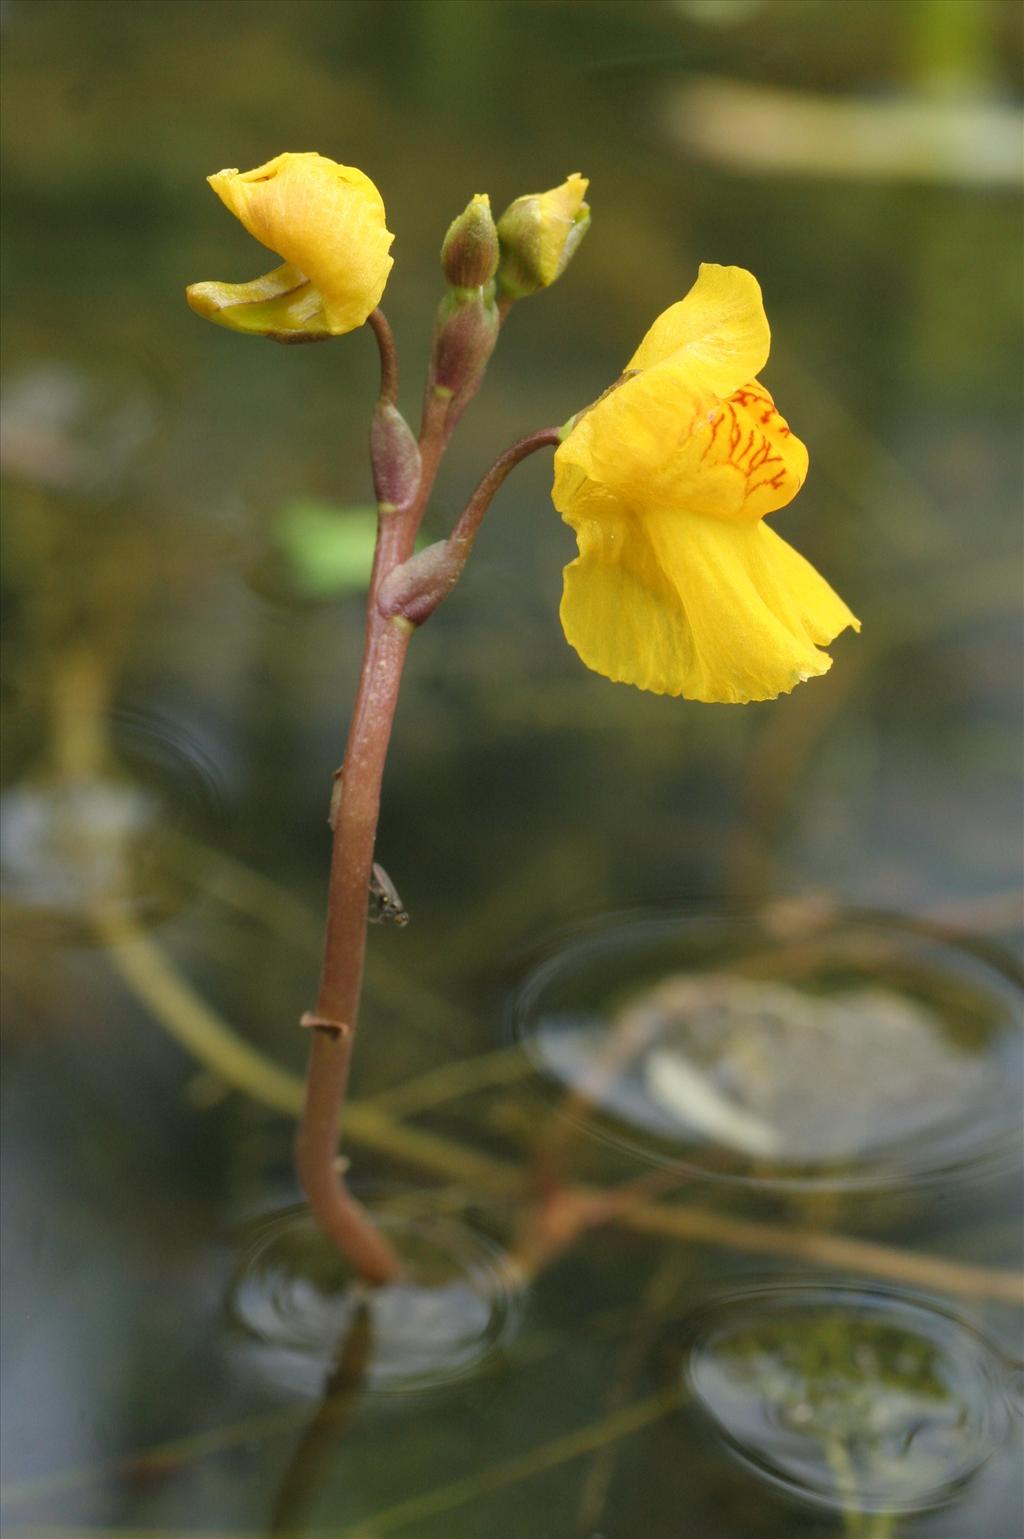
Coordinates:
x,y
74,844
294,1299
854,1399
834,1051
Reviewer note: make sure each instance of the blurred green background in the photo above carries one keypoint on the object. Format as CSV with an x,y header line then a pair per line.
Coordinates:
x,y
164,639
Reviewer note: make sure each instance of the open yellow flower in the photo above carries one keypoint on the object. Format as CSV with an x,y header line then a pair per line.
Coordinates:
x,y
328,223
679,586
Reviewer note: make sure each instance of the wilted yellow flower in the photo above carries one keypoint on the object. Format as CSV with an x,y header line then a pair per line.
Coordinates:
x,y
679,586
328,223
538,235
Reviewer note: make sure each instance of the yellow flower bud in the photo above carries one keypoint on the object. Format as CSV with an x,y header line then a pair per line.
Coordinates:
x,y
327,221
539,234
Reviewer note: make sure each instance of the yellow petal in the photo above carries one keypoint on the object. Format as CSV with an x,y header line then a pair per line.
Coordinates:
x,y
327,220
563,217
627,441
720,329
282,304
686,605
660,439
755,441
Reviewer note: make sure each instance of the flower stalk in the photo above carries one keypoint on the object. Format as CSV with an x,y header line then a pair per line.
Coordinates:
x,y
414,590
327,222
404,472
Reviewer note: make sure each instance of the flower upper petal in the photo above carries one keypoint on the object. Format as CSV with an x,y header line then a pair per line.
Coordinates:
x,y
685,605
719,329
327,220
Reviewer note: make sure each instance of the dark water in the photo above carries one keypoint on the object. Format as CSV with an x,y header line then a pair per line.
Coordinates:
x,y
753,970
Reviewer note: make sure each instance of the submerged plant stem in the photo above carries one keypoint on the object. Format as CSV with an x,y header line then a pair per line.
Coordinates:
x,y
153,977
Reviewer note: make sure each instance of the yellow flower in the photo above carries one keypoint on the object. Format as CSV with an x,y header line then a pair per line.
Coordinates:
x,y
327,221
679,586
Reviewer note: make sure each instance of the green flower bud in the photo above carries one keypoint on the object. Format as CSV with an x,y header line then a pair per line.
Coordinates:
x,y
539,234
469,255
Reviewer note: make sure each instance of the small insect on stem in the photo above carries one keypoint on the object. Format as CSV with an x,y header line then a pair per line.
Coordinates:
x,y
386,907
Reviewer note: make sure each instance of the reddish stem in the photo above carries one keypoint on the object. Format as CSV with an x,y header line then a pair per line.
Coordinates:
x,y
354,814
420,587
388,356
460,541
355,808
337,1005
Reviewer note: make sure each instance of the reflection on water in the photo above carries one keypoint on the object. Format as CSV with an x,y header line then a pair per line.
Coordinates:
x,y
101,837
294,1300
848,1051
861,1401
61,429
68,847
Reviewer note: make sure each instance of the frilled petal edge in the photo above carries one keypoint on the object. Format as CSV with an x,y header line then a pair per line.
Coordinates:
x,y
681,604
